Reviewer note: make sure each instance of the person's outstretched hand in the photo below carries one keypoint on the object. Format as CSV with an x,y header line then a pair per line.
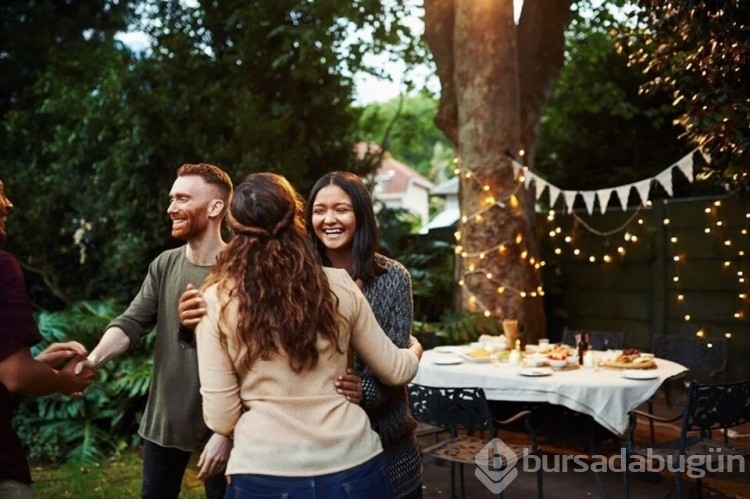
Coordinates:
x,y
76,377
349,385
57,353
215,455
191,307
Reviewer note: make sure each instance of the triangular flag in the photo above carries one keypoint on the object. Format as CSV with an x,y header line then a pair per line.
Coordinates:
x,y
554,192
623,192
570,199
665,179
540,185
706,156
643,187
603,196
528,178
588,198
516,165
686,166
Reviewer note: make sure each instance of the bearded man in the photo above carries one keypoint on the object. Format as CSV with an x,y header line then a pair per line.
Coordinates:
x,y
172,426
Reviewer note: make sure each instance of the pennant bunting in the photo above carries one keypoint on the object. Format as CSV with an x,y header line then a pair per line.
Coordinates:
x,y
540,185
623,193
603,196
528,178
643,187
570,199
665,179
588,198
554,193
685,165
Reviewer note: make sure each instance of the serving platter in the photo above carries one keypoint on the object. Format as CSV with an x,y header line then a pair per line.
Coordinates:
x,y
639,374
535,371
449,349
478,360
447,361
641,365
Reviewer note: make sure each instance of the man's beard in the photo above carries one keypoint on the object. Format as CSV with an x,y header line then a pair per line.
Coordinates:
x,y
193,228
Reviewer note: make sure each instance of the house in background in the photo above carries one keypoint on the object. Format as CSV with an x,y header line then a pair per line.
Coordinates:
x,y
451,211
397,185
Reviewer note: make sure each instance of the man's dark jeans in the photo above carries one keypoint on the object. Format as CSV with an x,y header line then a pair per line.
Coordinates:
x,y
163,469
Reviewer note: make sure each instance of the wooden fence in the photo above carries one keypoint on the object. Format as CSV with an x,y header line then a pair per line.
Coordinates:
x,y
677,267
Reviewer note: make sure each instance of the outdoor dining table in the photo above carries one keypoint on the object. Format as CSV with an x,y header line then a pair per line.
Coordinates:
x,y
603,393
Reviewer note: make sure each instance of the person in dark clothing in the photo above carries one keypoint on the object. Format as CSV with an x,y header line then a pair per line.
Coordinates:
x,y
20,372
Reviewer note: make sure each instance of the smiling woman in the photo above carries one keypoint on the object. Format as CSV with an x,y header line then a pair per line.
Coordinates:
x,y
341,222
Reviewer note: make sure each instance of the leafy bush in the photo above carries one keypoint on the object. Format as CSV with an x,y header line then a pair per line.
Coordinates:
x,y
429,260
104,421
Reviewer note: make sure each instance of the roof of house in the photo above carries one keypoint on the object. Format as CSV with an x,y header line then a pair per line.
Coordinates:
x,y
393,176
450,186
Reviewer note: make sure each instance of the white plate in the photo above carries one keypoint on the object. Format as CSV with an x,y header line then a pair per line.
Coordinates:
x,y
448,361
535,371
449,349
477,360
640,374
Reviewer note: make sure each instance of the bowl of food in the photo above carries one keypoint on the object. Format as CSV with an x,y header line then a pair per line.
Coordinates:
x,y
535,360
557,363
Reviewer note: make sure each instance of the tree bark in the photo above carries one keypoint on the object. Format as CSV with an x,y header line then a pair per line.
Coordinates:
x,y
495,81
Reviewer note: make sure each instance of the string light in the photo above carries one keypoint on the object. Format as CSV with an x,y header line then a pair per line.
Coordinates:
x,y
632,236
473,258
677,251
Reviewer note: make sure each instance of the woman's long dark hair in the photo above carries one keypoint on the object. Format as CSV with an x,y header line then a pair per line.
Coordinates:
x,y
271,268
365,242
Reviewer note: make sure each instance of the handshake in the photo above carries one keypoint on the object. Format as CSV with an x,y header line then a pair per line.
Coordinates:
x,y
73,371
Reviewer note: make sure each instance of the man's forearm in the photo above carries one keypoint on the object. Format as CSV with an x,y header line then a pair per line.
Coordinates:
x,y
21,373
114,342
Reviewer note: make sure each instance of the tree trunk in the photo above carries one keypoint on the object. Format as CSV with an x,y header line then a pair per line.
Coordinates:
x,y
490,107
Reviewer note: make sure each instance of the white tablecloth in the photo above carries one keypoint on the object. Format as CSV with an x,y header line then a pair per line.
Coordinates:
x,y
601,393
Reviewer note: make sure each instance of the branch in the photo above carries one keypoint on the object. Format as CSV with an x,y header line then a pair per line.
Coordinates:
x,y
439,22
51,285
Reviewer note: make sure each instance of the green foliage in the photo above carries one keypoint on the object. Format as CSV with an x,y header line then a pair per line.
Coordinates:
x,y
93,133
429,262
104,421
404,127
597,130
459,326
699,52
118,476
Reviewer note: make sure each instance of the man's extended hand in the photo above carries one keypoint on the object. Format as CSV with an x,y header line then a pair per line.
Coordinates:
x,y
191,307
76,378
349,385
214,457
57,353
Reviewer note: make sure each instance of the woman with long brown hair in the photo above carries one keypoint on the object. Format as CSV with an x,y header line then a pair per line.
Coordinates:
x,y
274,338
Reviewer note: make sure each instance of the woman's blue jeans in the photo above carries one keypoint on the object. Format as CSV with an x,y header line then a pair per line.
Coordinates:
x,y
368,480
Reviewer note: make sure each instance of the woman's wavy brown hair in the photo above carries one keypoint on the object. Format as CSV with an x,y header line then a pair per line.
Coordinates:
x,y
273,271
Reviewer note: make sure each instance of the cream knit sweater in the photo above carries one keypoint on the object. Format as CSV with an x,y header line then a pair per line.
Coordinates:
x,y
289,424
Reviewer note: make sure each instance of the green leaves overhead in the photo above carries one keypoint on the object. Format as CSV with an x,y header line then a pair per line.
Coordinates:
x,y
700,53
93,132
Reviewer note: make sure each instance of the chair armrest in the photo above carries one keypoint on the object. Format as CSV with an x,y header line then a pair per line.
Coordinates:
x,y
513,418
653,417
